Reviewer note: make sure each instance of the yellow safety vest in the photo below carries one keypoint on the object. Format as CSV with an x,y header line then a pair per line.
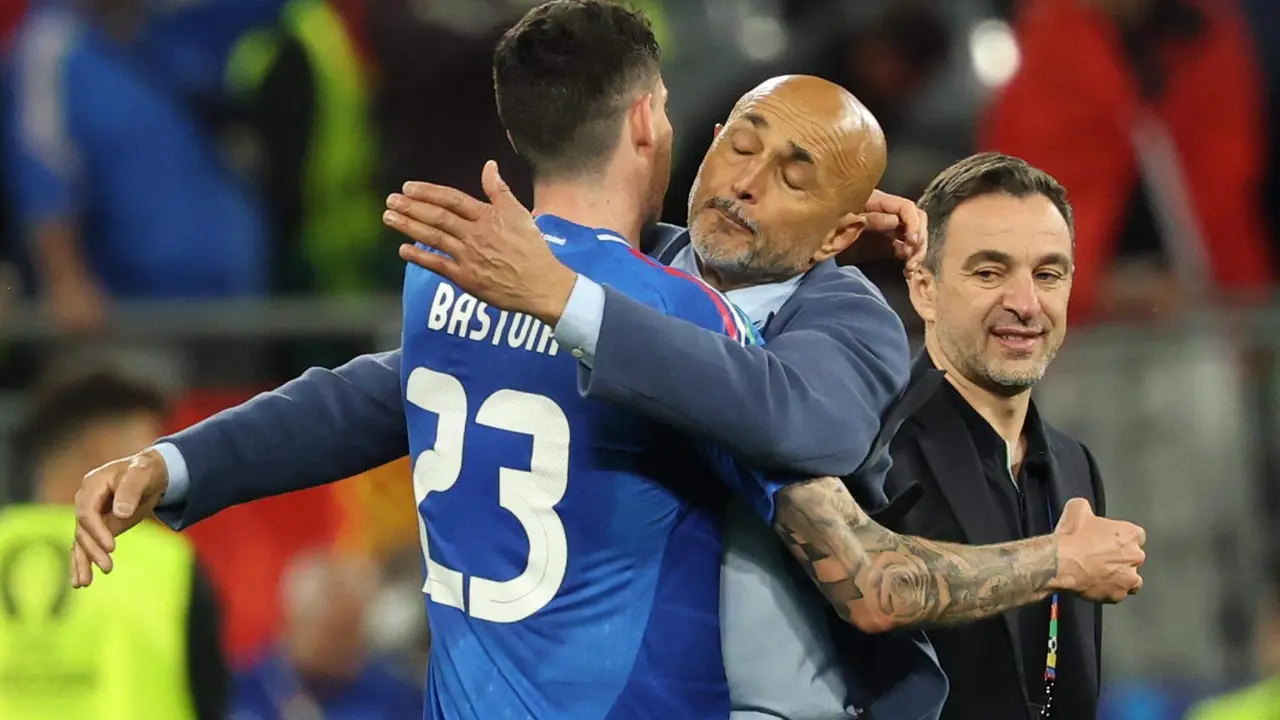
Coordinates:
x,y
1258,702
114,650
341,225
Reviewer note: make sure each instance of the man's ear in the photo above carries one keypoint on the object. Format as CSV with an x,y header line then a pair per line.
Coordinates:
x,y
846,233
640,124
922,285
715,133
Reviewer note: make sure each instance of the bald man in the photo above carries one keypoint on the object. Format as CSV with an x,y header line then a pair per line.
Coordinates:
x,y
824,152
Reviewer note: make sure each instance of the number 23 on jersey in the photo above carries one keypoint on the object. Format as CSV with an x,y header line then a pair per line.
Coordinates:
x,y
529,495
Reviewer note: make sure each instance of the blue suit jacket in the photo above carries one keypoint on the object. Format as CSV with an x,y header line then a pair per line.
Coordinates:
x,y
810,402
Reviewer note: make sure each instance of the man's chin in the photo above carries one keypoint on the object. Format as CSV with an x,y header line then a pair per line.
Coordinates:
x,y
1014,378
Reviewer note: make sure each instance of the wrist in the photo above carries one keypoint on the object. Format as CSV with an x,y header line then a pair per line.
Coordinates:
x,y
557,287
159,469
1063,580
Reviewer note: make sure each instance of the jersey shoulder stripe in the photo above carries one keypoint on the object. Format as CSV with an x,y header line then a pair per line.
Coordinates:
x,y
736,325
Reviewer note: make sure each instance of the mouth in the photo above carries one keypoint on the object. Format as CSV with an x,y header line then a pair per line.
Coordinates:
x,y
1017,339
733,219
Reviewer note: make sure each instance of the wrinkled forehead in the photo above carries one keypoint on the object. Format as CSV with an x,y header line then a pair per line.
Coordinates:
x,y
1014,231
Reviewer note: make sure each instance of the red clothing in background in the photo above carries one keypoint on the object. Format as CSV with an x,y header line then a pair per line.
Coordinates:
x,y
11,12
245,549
1071,110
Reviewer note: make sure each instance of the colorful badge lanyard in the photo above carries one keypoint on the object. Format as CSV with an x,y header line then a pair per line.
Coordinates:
x,y
1051,657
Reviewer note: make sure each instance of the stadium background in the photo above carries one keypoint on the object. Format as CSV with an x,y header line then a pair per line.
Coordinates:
x,y
1171,373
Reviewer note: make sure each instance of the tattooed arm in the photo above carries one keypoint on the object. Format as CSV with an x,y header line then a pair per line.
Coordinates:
x,y
880,580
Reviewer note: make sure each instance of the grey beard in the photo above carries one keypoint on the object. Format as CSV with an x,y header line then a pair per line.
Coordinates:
x,y
1008,386
752,268
745,274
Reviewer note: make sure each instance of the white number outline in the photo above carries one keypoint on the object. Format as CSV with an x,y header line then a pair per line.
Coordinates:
x,y
529,495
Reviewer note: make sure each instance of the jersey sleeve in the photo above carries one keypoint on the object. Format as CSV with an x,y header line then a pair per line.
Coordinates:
x,y
758,487
681,295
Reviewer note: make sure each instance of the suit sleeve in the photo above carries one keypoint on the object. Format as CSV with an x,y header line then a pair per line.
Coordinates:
x,y
809,403
324,426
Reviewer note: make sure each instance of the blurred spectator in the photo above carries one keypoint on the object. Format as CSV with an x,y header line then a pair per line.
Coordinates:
x,y
142,642
323,668
187,43
888,62
119,190
1151,113
435,101
306,98
1261,701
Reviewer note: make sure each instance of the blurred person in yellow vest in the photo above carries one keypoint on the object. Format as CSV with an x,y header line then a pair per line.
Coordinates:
x,y
1262,700
144,643
305,90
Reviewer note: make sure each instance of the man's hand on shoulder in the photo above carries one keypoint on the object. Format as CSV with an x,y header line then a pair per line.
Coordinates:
x,y
111,500
492,250
1098,558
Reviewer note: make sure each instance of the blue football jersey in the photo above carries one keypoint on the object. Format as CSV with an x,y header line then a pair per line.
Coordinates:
x,y
572,561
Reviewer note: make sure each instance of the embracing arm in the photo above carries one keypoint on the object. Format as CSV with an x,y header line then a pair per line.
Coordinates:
x,y
323,426
808,402
880,580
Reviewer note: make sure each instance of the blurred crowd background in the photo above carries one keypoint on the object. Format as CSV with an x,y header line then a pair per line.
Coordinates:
x,y
191,194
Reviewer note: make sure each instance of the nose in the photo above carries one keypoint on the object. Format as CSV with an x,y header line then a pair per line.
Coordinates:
x,y
750,182
1021,297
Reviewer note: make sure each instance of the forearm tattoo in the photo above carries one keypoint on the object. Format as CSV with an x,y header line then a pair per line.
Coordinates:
x,y
878,577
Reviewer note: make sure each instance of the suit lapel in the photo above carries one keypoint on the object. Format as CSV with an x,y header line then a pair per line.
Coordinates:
x,y
952,458
664,242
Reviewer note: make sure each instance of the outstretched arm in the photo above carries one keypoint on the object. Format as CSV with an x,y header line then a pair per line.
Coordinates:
x,y
324,426
880,580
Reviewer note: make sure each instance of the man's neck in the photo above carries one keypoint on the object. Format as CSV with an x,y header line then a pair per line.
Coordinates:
x,y
1006,415
715,279
597,205
724,284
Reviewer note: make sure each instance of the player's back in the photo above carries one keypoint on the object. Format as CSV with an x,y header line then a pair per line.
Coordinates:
x,y
570,571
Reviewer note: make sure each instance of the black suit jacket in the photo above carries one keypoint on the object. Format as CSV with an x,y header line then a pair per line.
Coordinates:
x,y
932,451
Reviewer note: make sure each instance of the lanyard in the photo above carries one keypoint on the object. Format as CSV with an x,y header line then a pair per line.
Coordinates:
x,y
1051,657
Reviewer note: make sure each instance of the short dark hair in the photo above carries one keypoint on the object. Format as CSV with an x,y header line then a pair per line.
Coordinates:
x,y
564,76
987,173
66,405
